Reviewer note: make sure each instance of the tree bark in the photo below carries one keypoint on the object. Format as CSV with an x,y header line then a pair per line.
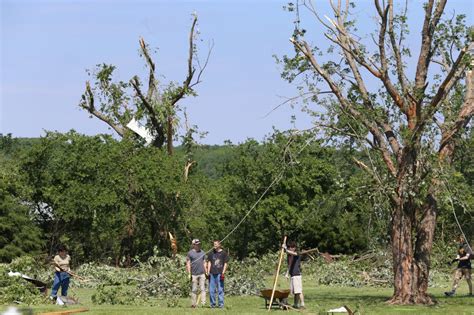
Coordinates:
x,y
423,246
411,249
402,252
412,235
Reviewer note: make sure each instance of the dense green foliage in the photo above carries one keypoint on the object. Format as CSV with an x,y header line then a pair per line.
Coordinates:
x,y
19,234
114,201
15,289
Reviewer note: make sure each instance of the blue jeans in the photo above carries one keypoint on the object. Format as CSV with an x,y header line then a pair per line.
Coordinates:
x,y
60,279
215,282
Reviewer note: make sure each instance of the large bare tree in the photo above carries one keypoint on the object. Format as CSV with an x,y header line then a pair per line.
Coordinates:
x,y
114,104
407,112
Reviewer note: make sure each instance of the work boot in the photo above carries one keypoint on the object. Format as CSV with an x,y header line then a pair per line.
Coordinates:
x,y
449,293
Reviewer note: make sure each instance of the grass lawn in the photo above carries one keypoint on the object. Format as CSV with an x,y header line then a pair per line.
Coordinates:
x,y
318,300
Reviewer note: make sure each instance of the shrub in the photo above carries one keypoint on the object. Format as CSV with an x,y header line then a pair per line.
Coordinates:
x,y
17,290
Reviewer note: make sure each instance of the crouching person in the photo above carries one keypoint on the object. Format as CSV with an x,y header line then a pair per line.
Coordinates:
x,y
61,264
195,266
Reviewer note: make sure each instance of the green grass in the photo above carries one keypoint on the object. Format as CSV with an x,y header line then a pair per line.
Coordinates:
x,y
318,300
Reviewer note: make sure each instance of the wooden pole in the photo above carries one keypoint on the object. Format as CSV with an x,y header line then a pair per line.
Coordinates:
x,y
198,299
277,273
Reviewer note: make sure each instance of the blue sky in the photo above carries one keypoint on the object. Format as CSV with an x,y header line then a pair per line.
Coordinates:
x,y
46,46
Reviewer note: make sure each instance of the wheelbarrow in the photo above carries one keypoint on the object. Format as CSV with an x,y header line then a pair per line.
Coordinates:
x,y
280,298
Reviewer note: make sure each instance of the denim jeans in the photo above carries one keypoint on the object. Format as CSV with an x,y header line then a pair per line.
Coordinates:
x,y
61,279
215,283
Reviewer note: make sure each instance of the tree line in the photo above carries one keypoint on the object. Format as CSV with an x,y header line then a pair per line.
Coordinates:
x,y
114,201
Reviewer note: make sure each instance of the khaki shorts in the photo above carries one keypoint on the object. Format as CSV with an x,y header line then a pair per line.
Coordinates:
x,y
296,285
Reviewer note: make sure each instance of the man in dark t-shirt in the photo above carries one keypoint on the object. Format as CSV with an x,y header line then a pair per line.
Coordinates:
x,y
217,261
294,271
294,265
463,270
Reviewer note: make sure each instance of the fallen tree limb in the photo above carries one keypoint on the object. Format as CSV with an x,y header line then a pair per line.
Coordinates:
x,y
66,312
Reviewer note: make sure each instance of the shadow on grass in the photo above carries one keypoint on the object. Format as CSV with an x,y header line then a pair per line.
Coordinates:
x,y
345,298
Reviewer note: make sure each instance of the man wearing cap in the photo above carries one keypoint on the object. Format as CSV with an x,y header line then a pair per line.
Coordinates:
x,y
195,266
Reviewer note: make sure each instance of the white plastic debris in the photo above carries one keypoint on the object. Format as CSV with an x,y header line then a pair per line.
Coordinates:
x,y
66,300
140,130
11,311
14,274
18,274
341,309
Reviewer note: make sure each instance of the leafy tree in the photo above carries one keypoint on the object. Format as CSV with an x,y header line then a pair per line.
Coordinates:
x,y
114,103
103,197
408,127
115,200
11,147
19,234
458,197
305,199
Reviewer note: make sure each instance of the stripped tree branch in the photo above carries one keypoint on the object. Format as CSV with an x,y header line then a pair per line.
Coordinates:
x,y
88,104
344,42
391,89
429,25
396,50
345,104
157,125
448,138
151,77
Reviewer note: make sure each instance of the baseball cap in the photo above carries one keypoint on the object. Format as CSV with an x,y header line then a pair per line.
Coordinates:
x,y
196,241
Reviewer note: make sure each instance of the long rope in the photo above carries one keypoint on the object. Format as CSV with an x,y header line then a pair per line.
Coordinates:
x,y
455,215
277,179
